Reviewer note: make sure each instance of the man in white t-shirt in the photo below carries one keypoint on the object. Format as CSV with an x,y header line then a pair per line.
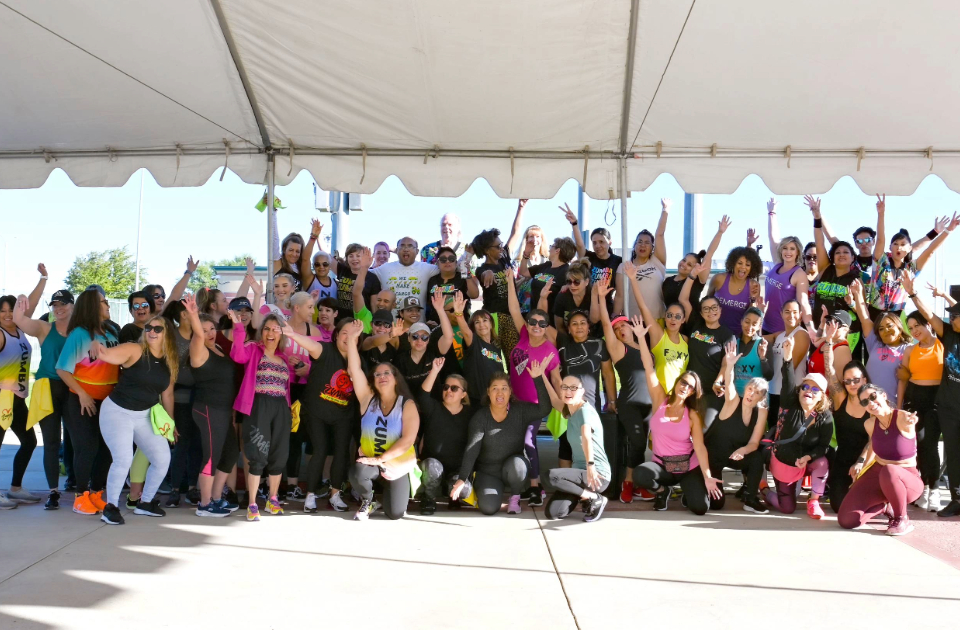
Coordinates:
x,y
407,276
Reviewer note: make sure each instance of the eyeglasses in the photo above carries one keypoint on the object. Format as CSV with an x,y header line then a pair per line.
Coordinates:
x,y
953,316
683,384
676,316
450,312
321,264
138,305
159,296
446,259
570,388
869,399
852,381
156,329
864,241
452,388
575,283
542,323
710,309
423,337
386,374
811,257
811,388
407,246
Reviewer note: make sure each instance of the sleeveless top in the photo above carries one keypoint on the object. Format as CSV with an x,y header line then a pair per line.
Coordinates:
x,y
49,353
15,363
378,432
671,438
815,362
850,434
732,307
272,378
779,291
747,367
633,378
670,360
141,384
890,444
926,364
776,383
727,435
325,292
215,382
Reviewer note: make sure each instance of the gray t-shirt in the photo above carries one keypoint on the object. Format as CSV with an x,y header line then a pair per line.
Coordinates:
x,y
587,415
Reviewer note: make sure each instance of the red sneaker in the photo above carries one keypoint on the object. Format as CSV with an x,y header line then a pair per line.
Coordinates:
x,y
814,510
807,482
626,492
642,494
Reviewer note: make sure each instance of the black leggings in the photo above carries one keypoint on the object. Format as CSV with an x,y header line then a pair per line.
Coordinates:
x,y
751,465
490,484
327,438
50,428
634,417
921,399
652,476
28,440
569,484
396,492
840,479
265,432
438,481
91,457
297,438
215,427
185,462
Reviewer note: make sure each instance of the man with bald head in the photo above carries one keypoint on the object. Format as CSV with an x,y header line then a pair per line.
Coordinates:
x,y
406,277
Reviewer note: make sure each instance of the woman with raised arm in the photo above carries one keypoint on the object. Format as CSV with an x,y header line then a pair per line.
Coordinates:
x,y
482,357
575,297
495,286
891,481
156,291
388,428
633,400
734,439
886,342
838,270
786,281
416,359
649,257
799,441
737,288
288,255
848,418
603,263
444,437
838,324
450,281
790,314
316,275
518,241
495,441
149,372
755,361
676,432
673,285
212,302
184,465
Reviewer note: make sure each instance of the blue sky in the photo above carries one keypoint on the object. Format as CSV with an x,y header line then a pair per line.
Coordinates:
x,y
59,221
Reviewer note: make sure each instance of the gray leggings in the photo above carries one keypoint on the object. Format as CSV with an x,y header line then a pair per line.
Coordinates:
x,y
490,486
121,429
396,492
569,484
438,482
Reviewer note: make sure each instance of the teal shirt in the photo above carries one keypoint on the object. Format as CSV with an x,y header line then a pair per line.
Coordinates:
x,y
748,366
50,351
587,415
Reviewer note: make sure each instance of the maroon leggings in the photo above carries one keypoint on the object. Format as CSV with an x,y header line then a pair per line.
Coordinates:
x,y
880,485
784,498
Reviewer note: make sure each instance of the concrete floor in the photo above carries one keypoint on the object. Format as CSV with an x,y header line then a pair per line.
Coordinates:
x,y
463,570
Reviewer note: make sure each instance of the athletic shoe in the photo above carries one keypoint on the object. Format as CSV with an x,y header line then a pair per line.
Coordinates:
x,y
454,504
82,504
262,491
165,487
229,507
428,507
253,512
952,509
7,504
934,500
96,498
626,492
740,492
53,501
513,506
296,494
22,496
63,470
310,503
273,506
752,503
366,510
535,496
595,509
70,485
814,510
149,509
661,499
900,526
212,509
324,490
173,500
230,496
642,494
924,501
193,496
132,503
111,515
807,483
336,503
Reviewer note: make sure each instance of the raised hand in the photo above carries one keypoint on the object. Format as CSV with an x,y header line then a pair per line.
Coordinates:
x,y
316,228
665,203
761,303
571,217
940,224
190,303
397,329
762,348
354,329
315,294
234,316
437,299
772,205
881,204
730,354
42,268
752,237
906,279
459,302
192,264
251,266
636,325
787,347
954,222
366,258
725,223
437,364
20,308
700,268
813,203
629,269
830,329
547,288
935,291
602,287
537,368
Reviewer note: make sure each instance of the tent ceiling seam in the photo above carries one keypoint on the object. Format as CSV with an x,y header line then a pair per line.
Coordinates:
x,y
124,73
628,75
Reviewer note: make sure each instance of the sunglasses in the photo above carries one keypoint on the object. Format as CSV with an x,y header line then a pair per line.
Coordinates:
x,y
450,312
869,399
710,309
446,259
675,316
852,381
811,257
159,296
864,241
570,388
382,324
156,329
575,283
420,337
811,388
953,316
321,264
542,323
138,305
452,388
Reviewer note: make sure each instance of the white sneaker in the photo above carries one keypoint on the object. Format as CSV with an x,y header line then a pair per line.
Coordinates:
x,y
22,496
7,504
337,503
310,503
934,503
924,501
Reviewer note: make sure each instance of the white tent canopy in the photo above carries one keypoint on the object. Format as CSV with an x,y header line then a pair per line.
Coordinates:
x,y
523,94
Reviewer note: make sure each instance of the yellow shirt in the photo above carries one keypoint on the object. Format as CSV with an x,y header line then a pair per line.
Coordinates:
x,y
670,360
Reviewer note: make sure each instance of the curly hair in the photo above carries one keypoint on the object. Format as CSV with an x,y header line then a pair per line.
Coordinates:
x,y
484,241
756,265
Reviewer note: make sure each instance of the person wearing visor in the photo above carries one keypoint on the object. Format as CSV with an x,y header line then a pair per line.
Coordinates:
x,y
381,346
141,308
415,359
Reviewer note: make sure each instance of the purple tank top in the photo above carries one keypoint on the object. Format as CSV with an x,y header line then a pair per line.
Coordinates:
x,y
732,307
779,291
890,444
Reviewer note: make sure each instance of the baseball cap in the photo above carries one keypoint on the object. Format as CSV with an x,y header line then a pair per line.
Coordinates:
x,y
383,316
418,327
818,380
623,319
410,302
97,288
63,296
240,303
841,316
955,309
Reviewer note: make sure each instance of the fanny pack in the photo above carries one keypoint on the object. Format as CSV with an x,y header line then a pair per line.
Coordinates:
x,y
676,464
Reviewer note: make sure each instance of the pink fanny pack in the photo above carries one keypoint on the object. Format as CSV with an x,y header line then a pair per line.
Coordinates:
x,y
784,473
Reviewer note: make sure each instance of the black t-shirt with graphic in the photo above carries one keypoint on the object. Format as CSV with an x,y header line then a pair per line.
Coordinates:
x,y
604,268
949,393
449,288
706,350
481,360
329,394
583,360
345,281
495,296
540,275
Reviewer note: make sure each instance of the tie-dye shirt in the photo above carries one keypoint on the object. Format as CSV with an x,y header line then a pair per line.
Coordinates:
x,y
97,378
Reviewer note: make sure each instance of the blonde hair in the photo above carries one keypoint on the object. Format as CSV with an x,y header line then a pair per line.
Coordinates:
x,y
544,248
170,353
300,298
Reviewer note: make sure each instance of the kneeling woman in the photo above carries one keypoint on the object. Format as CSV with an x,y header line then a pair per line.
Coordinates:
x,y
892,478
676,430
388,429
589,474
495,441
149,371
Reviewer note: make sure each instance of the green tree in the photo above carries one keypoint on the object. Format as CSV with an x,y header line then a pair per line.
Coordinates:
x,y
205,276
113,269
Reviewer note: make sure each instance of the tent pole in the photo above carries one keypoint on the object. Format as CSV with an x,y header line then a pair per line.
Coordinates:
x,y
271,190
624,233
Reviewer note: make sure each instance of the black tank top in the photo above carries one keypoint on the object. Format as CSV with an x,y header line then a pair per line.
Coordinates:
x,y
214,382
141,384
851,435
633,378
726,436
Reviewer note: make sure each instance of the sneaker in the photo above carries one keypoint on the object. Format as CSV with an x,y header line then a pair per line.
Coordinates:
x,y
262,492
952,509
428,507
273,506
924,501
536,496
53,501
336,503
82,504
7,504
807,483
513,506
296,494
642,494
934,500
193,496
149,509
229,507
660,499
595,509
165,487
253,512
111,515
324,490
310,503
96,498
814,510
132,503
231,497
900,526
70,485
366,510
22,496
626,492
212,509
742,490
173,500
752,503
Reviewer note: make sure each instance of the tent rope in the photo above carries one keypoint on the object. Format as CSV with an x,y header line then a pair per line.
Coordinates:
x,y
586,161
179,154
786,154
363,175
226,158
511,170
290,141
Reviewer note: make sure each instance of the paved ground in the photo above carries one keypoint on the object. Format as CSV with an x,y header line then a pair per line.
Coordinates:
x,y
462,570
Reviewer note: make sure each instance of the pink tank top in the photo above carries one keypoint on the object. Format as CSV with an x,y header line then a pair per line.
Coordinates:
x,y
891,444
671,438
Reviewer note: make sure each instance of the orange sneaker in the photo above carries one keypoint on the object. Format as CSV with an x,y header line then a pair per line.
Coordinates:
x,y
96,498
83,505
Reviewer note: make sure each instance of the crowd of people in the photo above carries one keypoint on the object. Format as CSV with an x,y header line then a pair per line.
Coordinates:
x,y
376,381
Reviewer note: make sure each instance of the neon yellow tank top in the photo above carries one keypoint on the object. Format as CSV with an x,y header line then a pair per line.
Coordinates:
x,y
670,360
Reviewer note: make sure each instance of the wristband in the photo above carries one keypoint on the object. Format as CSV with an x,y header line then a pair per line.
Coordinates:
x,y
860,460
818,223
458,314
932,234
911,295
313,237
43,277
574,222
187,272
590,463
